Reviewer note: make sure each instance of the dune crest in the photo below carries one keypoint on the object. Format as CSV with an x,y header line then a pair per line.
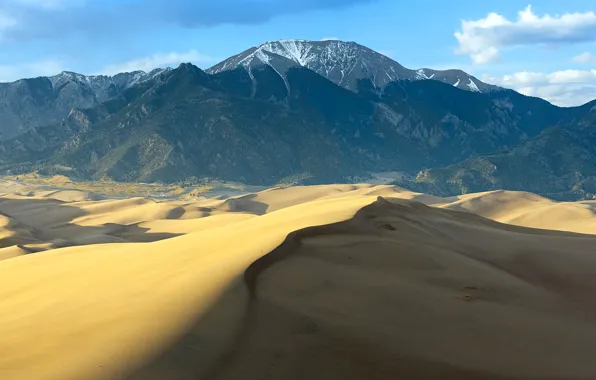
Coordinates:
x,y
364,281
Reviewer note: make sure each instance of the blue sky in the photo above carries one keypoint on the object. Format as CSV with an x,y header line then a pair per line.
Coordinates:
x,y
546,50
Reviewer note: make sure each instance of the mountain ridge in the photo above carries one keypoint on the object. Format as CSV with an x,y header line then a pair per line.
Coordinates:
x,y
178,125
284,121
34,102
344,63
557,163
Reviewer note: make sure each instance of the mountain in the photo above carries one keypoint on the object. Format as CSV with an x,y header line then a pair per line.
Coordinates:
x,y
185,123
29,103
35,102
314,112
260,128
344,63
560,163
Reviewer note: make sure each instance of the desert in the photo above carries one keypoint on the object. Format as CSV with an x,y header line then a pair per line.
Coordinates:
x,y
330,281
297,190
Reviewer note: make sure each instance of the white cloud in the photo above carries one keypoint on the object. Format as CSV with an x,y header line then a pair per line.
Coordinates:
x,y
158,60
585,57
483,39
563,88
48,67
329,39
9,73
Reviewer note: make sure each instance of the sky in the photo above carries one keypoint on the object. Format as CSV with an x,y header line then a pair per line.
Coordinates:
x,y
546,49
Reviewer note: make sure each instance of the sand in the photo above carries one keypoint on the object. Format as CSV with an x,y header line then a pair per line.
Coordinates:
x,y
321,282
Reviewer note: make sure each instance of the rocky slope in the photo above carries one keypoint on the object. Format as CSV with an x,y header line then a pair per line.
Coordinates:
x,y
35,102
560,163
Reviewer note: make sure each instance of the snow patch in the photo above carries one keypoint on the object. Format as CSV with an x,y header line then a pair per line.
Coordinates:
x,y
100,84
421,74
473,86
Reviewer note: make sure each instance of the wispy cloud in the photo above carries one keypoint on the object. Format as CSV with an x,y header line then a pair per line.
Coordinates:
x,y
158,60
586,57
9,73
564,88
484,39
329,39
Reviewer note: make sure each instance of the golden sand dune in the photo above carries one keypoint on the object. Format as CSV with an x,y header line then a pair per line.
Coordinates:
x,y
322,282
529,210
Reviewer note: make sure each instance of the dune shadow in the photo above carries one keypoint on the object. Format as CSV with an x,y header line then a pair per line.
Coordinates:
x,y
41,224
246,203
175,213
246,336
21,233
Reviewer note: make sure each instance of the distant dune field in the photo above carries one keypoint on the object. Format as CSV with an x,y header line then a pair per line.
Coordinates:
x,y
333,282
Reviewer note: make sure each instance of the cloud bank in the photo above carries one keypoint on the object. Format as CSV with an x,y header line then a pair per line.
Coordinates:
x,y
159,60
563,88
484,39
49,67
9,73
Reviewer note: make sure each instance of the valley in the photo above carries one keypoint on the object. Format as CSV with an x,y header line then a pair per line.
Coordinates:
x,y
33,184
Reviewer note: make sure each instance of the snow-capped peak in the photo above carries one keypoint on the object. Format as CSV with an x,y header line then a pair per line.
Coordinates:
x,y
345,63
291,49
102,86
69,75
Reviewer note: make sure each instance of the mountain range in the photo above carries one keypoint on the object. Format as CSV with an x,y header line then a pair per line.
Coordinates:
x,y
292,110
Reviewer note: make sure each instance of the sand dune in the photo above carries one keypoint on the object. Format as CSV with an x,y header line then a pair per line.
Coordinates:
x,y
321,282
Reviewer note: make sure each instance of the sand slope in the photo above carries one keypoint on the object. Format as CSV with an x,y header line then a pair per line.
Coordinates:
x,y
322,282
